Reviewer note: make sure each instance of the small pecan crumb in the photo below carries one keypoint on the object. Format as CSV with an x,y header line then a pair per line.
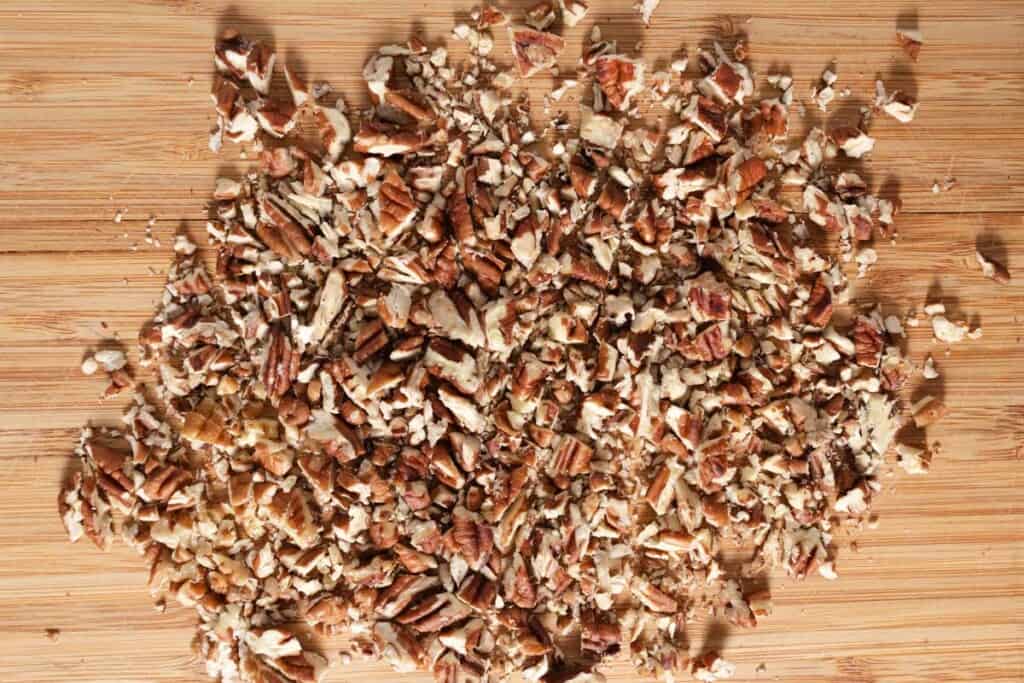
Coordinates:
x,y
910,40
992,269
646,9
533,50
928,411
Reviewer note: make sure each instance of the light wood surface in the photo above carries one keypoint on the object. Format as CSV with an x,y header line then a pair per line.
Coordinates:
x,y
97,113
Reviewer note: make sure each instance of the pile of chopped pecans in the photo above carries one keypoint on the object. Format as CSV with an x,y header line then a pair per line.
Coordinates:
x,y
492,399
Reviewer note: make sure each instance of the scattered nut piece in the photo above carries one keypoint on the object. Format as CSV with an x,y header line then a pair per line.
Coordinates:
x,y
534,51
823,93
910,40
928,411
896,104
541,15
574,11
913,460
711,667
646,9
992,269
90,366
949,332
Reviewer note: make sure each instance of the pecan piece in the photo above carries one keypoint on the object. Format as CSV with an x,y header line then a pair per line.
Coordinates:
x,y
519,587
853,141
709,298
992,269
397,206
572,457
653,598
707,115
533,50
292,515
819,304
928,411
910,40
279,231
867,339
620,79
280,364
541,15
712,343
474,540
385,139
277,118
371,339
207,423
334,130
163,481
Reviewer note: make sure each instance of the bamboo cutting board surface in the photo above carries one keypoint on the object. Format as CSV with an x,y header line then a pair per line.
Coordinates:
x,y
104,105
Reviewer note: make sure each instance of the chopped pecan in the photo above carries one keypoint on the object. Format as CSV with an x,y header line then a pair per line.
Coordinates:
x,y
397,206
281,363
276,118
334,130
599,129
613,199
541,15
992,269
819,305
572,457
489,16
928,411
371,339
474,540
707,115
653,598
710,299
712,343
620,79
854,142
280,231
867,337
910,40
207,423
573,11
384,139
533,50
291,513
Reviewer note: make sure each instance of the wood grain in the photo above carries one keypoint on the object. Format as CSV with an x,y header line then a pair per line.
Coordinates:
x,y
97,113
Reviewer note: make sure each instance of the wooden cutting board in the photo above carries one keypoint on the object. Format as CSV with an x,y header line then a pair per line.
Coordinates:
x,y
104,106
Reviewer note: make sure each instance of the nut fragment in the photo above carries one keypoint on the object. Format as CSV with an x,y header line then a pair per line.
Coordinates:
x,y
928,411
711,667
992,269
574,11
599,129
397,206
910,40
534,51
855,143
620,79
207,424
646,9
896,104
